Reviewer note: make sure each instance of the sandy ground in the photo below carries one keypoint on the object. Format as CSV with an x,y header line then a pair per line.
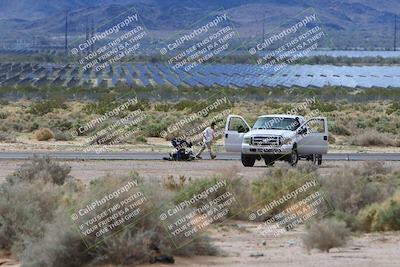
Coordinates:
x,y
6,259
87,170
242,245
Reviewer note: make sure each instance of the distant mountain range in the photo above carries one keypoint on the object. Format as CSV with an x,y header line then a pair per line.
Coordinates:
x,y
351,23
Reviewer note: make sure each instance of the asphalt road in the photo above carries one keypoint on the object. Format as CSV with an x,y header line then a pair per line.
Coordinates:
x,y
158,156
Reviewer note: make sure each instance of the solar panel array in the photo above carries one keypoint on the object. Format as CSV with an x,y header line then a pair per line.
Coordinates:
x,y
236,75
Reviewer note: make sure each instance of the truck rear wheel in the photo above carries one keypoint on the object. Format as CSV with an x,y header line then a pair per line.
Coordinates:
x,y
319,159
314,158
248,160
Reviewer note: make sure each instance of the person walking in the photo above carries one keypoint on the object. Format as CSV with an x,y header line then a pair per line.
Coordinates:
x,y
208,137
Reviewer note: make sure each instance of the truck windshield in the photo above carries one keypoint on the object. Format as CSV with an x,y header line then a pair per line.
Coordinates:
x,y
278,123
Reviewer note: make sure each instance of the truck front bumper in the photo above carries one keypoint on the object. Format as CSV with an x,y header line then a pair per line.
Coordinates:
x,y
266,150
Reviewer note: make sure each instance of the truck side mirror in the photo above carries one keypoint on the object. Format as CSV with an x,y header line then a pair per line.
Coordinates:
x,y
302,131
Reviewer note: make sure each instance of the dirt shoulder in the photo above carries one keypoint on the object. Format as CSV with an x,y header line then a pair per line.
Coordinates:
x,y
242,245
87,170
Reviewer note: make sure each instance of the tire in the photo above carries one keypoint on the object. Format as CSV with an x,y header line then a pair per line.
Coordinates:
x,y
319,159
248,160
314,158
294,157
269,161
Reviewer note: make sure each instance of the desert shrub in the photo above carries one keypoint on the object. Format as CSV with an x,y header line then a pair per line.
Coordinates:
x,y
381,217
285,108
18,125
28,199
7,137
194,187
142,104
4,102
141,139
362,124
386,125
369,168
154,129
339,129
24,209
43,107
32,126
35,221
185,104
62,246
273,104
323,106
351,189
62,125
325,235
361,107
43,134
172,184
144,241
4,115
41,169
107,137
62,136
373,138
165,107
127,248
307,168
105,104
350,219
393,107
331,139
280,181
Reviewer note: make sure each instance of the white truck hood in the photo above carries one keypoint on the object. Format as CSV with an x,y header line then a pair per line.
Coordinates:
x,y
262,132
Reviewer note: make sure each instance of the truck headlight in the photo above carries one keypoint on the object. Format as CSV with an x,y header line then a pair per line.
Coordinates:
x,y
247,140
286,141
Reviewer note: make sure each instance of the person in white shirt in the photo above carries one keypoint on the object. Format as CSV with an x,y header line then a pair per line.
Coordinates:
x,y
208,137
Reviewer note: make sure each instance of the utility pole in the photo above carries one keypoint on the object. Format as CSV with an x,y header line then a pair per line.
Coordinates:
x,y
87,35
263,28
395,32
66,35
92,34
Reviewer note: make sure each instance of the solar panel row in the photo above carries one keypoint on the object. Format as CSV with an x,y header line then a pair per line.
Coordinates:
x,y
239,75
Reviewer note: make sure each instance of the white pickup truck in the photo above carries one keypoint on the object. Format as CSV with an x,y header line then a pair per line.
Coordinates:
x,y
277,137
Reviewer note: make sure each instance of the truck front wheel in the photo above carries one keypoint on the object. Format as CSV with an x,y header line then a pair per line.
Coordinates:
x,y
269,161
248,160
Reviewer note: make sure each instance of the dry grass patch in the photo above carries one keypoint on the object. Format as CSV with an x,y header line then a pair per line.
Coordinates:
x,y
374,138
325,235
43,134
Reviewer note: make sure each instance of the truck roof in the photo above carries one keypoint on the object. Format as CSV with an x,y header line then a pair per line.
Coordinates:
x,y
282,116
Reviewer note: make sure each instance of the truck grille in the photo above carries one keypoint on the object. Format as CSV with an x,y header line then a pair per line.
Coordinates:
x,y
266,140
